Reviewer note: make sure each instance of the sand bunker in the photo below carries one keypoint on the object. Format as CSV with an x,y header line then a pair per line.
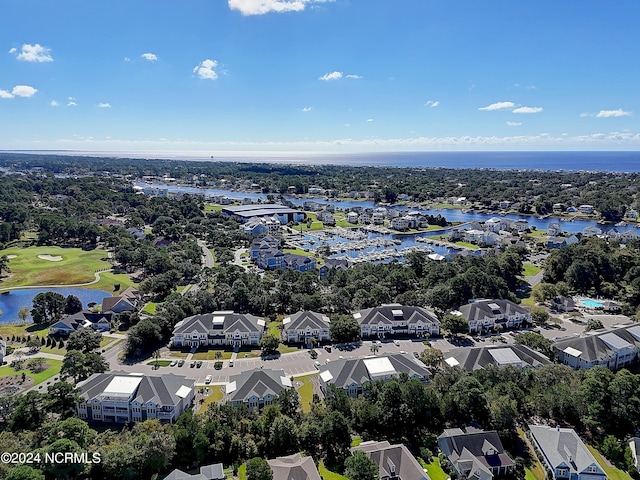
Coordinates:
x,y
12,256
51,258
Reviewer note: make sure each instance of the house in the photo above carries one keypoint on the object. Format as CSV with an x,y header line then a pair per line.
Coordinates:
x,y
254,226
261,245
218,328
634,446
352,217
326,217
122,397
564,453
127,301
394,319
613,349
256,388
294,467
493,224
84,319
400,223
591,231
484,315
475,453
518,356
395,462
557,208
563,304
504,204
214,471
586,209
331,264
377,218
554,229
351,374
301,327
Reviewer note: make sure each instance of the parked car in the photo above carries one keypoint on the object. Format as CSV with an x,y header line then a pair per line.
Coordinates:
x,y
327,348
416,354
317,364
192,364
396,343
208,379
199,363
231,363
180,362
173,363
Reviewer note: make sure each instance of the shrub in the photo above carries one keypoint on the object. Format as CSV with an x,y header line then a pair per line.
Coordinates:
x,y
217,365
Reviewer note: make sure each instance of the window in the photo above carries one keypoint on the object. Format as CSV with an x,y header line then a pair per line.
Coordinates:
x,y
592,469
562,472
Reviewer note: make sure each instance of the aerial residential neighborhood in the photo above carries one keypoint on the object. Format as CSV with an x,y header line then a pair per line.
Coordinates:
x,y
304,338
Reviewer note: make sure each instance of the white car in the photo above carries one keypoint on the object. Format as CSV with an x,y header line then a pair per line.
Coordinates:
x,y
208,379
396,343
174,363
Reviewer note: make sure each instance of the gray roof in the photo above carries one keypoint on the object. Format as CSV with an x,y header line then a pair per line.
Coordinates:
x,y
219,323
302,320
596,345
161,390
214,471
395,312
392,460
257,382
484,308
471,359
294,467
258,210
562,447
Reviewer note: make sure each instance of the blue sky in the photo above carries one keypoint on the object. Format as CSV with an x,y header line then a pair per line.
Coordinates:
x,y
319,75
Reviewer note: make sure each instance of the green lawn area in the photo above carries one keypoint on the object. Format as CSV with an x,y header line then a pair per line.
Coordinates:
x,y
274,328
537,233
612,472
160,363
179,354
211,354
298,251
355,441
242,472
113,344
55,350
212,208
283,348
467,244
215,396
306,392
328,475
530,270
528,299
150,308
76,266
109,280
434,470
54,369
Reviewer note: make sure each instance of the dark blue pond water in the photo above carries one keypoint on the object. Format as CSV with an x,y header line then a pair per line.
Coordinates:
x,y
11,302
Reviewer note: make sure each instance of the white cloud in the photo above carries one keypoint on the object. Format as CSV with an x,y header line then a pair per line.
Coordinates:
x,y
612,113
432,103
71,104
498,106
24,91
514,124
33,53
351,75
331,76
53,103
369,119
582,115
127,59
205,69
5,94
104,105
306,109
260,7
528,110
152,57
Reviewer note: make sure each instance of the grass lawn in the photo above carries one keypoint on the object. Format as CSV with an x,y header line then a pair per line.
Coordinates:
x,y
76,266
612,472
274,328
23,329
242,472
537,233
109,280
212,208
528,299
355,441
434,470
298,251
211,355
54,369
160,363
118,341
328,475
150,308
306,392
215,396
282,348
530,270
467,244
55,350
179,354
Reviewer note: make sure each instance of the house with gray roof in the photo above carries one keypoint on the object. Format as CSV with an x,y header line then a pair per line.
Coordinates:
x,y
122,397
393,319
351,374
484,315
564,453
395,462
303,326
99,321
294,467
256,388
519,356
613,349
215,471
218,328
475,453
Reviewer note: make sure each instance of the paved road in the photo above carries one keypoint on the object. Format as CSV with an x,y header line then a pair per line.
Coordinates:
x,y
206,254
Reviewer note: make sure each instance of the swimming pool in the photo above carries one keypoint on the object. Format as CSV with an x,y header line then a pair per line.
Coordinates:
x,y
587,302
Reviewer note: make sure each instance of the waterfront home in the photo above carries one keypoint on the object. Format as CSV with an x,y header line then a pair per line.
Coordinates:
x,y
301,327
351,374
393,319
519,356
352,217
564,454
395,462
586,209
122,397
332,264
99,321
557,208
400,223
127,301
377,217
263,244
554,229
591,231
475,453
326,217
484,315
218,328
294,467
256,388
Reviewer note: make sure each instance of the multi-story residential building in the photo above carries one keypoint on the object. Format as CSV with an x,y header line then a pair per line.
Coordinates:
x,y
303,326
256,388
613,349
394,319
484,315
218,328
519,356
122,397
400,223
294,467
564,454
